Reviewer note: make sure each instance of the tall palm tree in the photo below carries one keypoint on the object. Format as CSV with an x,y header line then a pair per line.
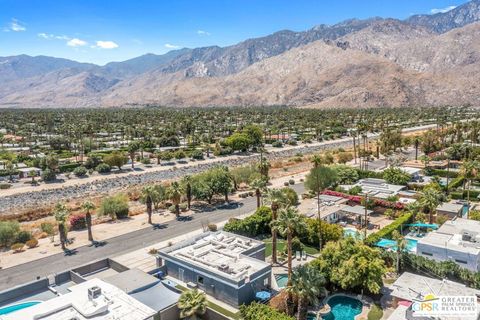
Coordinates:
x,y
259,185
429,200
192,304
174,193
401,245
307,284
416,143
187,186
61,215
148,195
469,171
288,223
276,199
88,206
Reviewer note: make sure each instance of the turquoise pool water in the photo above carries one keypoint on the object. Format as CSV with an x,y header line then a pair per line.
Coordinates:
x,y
349,232
282,280
343,308
16,307
411,244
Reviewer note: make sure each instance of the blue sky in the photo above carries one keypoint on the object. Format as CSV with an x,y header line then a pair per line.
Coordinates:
x,y
100,31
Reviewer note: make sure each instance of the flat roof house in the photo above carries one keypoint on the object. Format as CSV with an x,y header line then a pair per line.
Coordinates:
x,y
226,266
377,188
450,209
92,299
457,240
410,286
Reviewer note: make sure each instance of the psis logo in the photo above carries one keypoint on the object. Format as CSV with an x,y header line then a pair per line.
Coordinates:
x,y
429,305
432,305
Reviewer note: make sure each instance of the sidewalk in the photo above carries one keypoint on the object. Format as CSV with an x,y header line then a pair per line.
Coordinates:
x,y
101,232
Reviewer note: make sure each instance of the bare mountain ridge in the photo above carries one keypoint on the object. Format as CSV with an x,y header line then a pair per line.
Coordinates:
x,y
400,70
410,51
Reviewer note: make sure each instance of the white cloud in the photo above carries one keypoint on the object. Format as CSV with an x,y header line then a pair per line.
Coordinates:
x,y
171,46
75,42
15,26
106,44
203,33
434,11
45,35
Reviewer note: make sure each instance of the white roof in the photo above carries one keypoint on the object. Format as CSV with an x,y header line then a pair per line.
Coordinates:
x,y
411,286
220,253
450,207
113,303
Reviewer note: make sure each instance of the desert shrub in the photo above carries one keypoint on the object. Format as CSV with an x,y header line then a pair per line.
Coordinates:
x,y
17,247
4,186
48,175
32,243
258,311
48,228
80,171
145,161
77,222
103,168
291,181
277,144
8,232
23,236
116,207
196,154
212,227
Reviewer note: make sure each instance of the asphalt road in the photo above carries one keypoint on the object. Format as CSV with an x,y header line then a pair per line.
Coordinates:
x,y
125,243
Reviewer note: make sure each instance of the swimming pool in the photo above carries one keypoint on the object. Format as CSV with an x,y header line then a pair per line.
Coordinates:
x,y
281,280
351,232
16,307
411,244
343,308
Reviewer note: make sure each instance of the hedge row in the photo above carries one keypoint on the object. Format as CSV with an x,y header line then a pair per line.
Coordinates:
x,y
386,232
68,167
443,173
463,195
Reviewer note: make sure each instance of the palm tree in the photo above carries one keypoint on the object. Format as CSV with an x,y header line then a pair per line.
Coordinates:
x,y
132,148
307,284
187,186
61,215
276,199
401,244
316,160
470,172
148,195
416,143
174,193
288,223
88,207
32,174
430,198
192,304
259,185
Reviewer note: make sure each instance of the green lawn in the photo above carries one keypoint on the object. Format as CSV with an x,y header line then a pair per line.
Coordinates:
x,y
281,244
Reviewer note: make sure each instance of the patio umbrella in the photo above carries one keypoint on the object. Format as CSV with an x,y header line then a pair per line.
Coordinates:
x,y
263,295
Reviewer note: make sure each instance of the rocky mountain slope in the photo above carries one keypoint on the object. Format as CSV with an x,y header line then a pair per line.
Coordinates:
x,y
424,60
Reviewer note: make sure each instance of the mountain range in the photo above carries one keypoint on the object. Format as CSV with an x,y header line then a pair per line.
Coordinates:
x,y
425,60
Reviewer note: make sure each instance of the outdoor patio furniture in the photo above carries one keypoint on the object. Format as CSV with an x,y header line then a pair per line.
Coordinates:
x,y
298,255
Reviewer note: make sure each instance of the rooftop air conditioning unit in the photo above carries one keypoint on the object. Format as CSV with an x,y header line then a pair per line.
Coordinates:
x,y
466,237
94,292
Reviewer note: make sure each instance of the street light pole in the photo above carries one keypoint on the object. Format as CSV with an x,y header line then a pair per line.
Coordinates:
x,y
366,217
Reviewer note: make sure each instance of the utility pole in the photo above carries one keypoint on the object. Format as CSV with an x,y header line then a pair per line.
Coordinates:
x,y
366,217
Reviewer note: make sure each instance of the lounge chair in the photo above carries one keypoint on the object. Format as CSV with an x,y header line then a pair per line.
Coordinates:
x,y
304,254
298,255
